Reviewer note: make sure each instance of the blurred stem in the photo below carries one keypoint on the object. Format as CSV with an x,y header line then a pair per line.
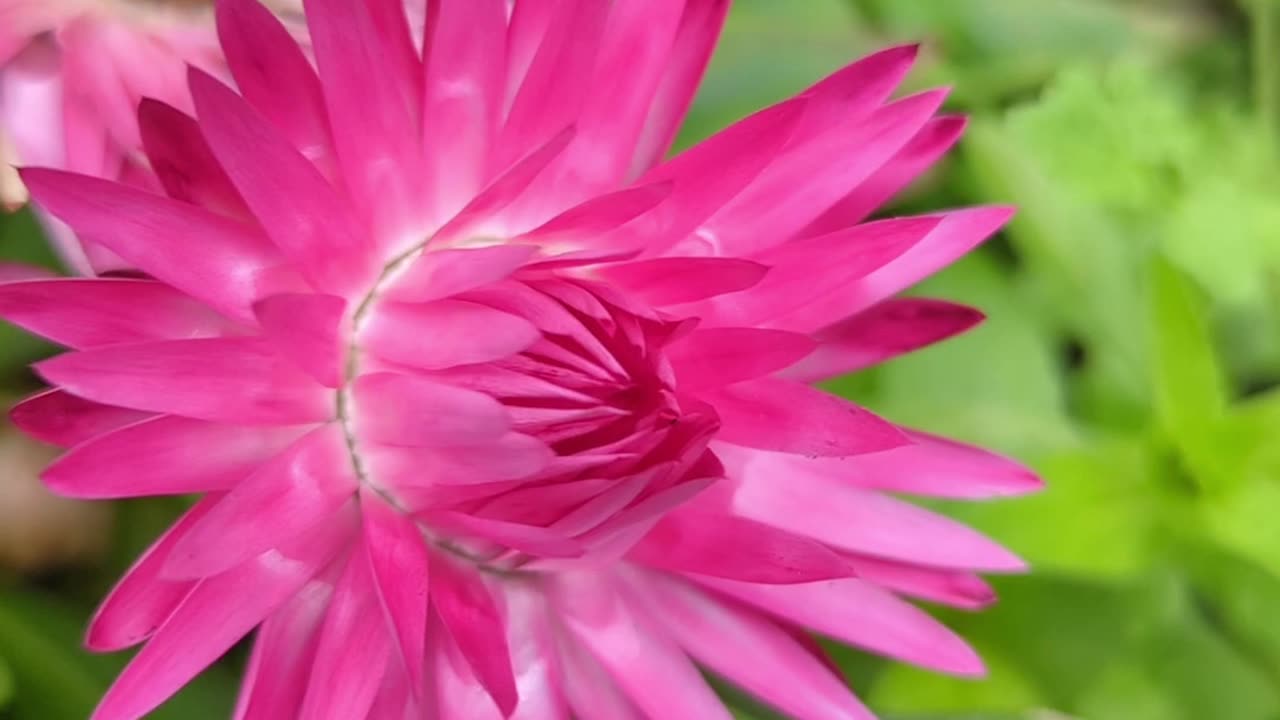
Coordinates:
x,y
1264,16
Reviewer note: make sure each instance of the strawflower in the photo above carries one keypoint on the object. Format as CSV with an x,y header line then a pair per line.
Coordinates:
x,y
71,75
494,411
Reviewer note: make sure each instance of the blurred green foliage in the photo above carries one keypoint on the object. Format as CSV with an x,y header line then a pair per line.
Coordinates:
x,y
1132,356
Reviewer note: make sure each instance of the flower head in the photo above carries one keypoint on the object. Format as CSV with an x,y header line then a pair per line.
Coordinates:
x,y
495,412
71,75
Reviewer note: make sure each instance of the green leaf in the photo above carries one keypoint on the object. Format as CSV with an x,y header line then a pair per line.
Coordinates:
x,y
1059,633
1093,519
1190,397
1243,597
906,691
56,678
6,684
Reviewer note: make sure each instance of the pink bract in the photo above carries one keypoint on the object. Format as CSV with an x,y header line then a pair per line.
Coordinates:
x,y
496,412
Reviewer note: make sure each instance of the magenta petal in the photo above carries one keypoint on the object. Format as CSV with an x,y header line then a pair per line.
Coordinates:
x,y
183,162
83,313
467,609
235,380
62,419
354,650
675,280
709,543
217,613
142,600
687,60
397,555
300,211
925,149
530,539
861,614
372,110
750,650
892,328
860,521
722,356
788,417
412,411
810,270
463,96
599,215
303,486
283,653
508,457
956,589
441,273
275,76
445,333
307,329
221,262
164,455
638,656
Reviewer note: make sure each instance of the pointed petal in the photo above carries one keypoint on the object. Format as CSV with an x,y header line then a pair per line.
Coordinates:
x,y
413,411
956,234
809,271
892,328
397,556
92,312
956,589
509,457
183,162
675,280
306,329
784,416
930,466
217,260
283,653
465,71
861,614
555,87
354,650
636,654
926,148
142,600
275,76
217,613
700,26
293,492
445,333
300,211
505,189
373,115
804,182
749,650
707,176
468,611
441,273
165,455
589,690
531,539
599,215
233,380
716,357
711,543
62,419
856,520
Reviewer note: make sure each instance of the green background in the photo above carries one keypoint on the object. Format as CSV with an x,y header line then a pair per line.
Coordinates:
x,y
1131,355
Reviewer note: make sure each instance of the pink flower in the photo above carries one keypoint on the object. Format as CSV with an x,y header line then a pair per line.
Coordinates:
x,y
494,412
71,75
